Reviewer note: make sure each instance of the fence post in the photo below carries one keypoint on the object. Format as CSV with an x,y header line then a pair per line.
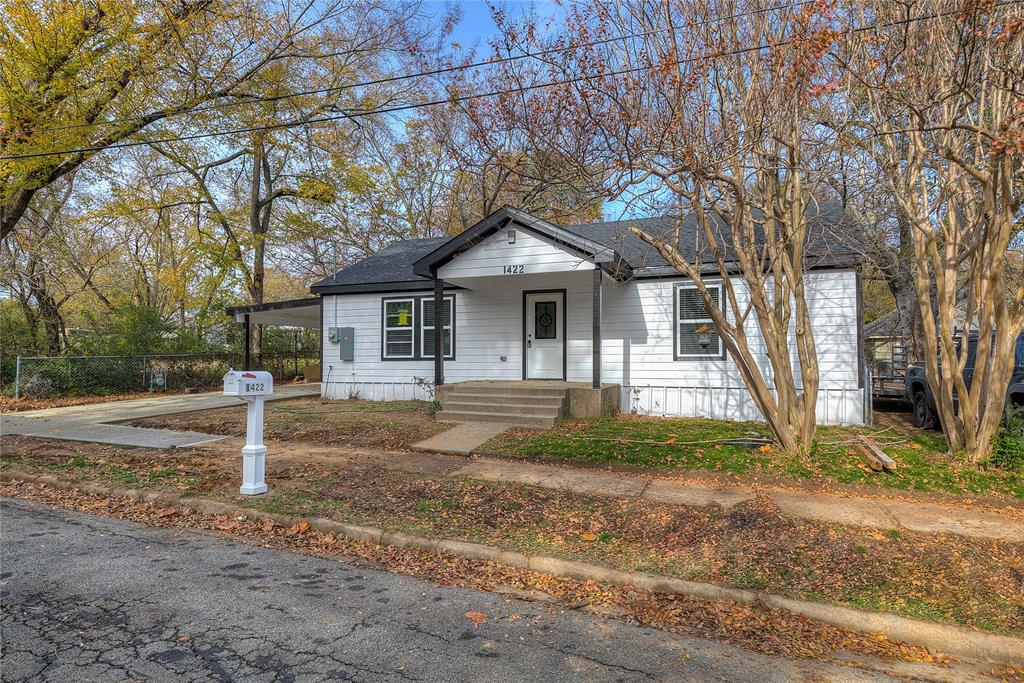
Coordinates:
x,y
869,405
145,372
17,379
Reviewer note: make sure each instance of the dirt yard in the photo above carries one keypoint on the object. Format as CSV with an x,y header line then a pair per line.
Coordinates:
x,y
364,424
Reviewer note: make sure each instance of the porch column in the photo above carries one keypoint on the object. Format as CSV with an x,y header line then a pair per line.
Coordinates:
x,y
439,331
245,349
597,326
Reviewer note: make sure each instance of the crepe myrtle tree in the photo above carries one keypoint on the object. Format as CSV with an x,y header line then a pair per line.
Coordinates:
x,y
698,109
944,97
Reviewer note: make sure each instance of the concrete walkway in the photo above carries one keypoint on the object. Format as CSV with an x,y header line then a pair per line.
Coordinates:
x,y
462,439
881,513
92,422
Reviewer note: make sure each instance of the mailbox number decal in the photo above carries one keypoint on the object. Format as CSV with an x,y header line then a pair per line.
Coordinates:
x,y
514,270
253,386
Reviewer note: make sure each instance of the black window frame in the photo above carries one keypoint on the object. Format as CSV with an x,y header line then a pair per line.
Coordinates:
x,y
677,321
417,327
422,329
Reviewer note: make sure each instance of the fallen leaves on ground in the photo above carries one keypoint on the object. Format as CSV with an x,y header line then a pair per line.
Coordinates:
x,y
477,618
753,627
936,577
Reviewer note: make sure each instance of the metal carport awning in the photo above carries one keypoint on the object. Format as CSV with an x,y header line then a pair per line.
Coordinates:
x,y
292,313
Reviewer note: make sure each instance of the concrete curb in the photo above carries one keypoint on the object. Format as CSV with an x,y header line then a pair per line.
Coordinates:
x,y
950,640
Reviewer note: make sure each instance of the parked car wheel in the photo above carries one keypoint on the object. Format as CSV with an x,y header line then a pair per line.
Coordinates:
x,y
922,414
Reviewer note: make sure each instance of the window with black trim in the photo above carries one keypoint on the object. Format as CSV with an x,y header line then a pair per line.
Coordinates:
x,y
407,328
428,322
399,324
696,336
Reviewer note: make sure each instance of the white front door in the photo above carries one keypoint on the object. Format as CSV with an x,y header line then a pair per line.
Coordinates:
x,y
545,336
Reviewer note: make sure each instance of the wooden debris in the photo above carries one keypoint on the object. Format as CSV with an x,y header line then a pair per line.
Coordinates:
x,y
875,456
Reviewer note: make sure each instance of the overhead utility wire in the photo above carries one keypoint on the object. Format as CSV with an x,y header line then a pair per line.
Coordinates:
x,y
421,74
447,100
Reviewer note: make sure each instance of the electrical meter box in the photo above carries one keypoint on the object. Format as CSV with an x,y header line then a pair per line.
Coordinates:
x,y
248,383
346,342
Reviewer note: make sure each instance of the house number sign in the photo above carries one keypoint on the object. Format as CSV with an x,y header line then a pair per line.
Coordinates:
x,y
513,270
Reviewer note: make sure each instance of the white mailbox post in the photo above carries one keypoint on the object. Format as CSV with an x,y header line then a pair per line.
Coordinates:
x,y
251,385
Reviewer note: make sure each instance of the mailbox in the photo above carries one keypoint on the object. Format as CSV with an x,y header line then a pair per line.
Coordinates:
x,y
248,383
252,386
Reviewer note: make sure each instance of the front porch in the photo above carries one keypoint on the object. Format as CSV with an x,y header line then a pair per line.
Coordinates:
x,y
529,403
560,278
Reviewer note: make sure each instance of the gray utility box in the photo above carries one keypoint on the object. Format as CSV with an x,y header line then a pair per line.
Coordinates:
x,y
346,338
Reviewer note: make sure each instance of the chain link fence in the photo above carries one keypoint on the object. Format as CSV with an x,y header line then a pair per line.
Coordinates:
x,y
49,376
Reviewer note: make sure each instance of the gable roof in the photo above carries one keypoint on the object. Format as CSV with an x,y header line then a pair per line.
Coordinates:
x,y
408,264
563,238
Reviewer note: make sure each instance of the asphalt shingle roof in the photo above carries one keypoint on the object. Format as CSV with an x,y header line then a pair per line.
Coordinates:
x,y
833,237
391,264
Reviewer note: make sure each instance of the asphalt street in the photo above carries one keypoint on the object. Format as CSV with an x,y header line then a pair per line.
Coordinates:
x,y
88,598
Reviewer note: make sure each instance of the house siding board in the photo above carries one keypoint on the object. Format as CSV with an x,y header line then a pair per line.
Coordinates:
x,y
489,257
637,345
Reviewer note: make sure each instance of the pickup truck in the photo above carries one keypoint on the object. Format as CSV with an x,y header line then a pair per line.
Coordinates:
x,y
920,395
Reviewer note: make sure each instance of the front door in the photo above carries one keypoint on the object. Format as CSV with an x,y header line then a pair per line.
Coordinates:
x,y
545,335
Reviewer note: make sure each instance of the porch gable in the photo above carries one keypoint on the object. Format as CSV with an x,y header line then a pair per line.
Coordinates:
x,y
512,251
537,245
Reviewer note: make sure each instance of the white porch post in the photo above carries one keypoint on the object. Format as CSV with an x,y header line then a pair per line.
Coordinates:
x,y
596,340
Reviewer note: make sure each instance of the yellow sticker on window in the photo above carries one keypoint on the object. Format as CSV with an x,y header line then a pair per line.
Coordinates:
x,y
403,318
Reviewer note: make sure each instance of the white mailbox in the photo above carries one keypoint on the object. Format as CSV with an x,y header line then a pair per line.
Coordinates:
x,y
252,386
248,383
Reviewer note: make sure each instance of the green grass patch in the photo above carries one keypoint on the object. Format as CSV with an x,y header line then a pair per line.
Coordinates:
x,y
84,467
693,444
646,442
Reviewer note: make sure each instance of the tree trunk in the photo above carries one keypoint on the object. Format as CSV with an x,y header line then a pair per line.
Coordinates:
x,y
53,323
902,287
13,209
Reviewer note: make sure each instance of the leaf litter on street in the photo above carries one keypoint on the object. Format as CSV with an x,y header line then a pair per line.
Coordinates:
x,y
753,627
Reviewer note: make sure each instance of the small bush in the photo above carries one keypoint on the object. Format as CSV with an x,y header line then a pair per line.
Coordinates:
x,y
1008,449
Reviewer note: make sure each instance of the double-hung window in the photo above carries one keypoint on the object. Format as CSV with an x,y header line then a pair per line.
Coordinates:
x,y
696,336
399,326
408,328
428,321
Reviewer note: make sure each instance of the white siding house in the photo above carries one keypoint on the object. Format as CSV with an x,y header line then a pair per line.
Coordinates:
x,y
526,296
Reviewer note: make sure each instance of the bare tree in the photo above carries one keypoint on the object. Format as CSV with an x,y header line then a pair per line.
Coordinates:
x,y
697,109
943,84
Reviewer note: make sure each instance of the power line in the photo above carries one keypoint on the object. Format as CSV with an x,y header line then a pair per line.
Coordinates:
x,y
421,74
450,100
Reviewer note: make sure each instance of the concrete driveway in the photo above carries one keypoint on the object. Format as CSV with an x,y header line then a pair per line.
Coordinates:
x,y
96,599
93,422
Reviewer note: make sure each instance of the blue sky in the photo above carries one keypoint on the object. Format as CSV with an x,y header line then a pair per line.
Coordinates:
x,y
476,27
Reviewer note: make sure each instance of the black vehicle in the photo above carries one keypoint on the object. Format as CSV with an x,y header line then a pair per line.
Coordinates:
x,y
920,394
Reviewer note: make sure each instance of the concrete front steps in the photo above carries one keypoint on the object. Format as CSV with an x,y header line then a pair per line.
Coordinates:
x,y
523,404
